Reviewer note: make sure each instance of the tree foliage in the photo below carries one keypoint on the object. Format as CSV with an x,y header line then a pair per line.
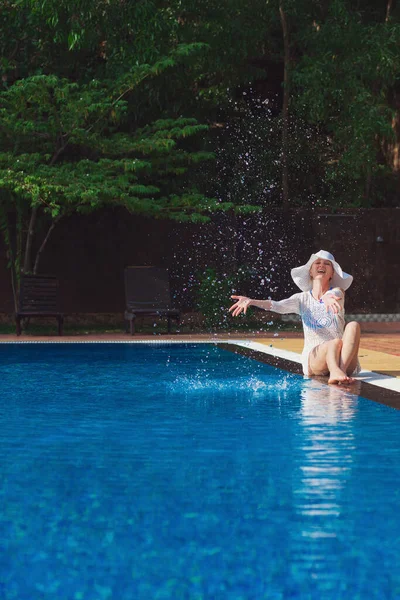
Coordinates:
x,y
83,122
346,78
343,139
126,103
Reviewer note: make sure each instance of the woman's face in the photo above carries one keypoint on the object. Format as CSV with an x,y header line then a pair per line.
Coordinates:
x,y
321,269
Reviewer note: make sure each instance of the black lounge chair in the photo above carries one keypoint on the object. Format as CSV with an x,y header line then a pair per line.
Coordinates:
x,y
147,294
38,297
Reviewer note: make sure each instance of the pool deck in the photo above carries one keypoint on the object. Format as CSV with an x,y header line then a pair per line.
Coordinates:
x,y
379,350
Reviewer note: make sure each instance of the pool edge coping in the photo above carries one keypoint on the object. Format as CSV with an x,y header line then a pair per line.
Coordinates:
x,y
369,385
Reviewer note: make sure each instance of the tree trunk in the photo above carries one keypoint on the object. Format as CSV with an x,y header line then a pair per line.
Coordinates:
x,y
285,109
46,239
368,182
29,239
32,224
392,148
388,10
13,267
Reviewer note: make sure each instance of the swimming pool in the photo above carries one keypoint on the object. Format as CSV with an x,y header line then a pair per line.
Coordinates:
x,y
188,472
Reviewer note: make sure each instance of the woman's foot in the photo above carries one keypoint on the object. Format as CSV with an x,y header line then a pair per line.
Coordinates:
x,y
339,377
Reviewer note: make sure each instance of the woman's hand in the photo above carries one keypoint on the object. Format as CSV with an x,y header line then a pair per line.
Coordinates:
x,y
332,303
240,306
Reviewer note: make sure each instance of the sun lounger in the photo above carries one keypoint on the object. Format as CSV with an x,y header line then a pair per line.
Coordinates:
x,y
38,297
147,294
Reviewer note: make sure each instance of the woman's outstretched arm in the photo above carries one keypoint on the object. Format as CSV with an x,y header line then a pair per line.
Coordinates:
x,y
286,306
242,303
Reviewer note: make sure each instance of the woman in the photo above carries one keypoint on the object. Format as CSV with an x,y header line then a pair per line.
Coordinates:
x,y
330,347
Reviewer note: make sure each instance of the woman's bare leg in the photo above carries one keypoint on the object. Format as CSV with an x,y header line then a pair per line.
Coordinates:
x,y
351,344
326,359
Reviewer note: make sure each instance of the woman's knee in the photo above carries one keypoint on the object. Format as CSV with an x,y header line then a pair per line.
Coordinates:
x,y
353,327
336,343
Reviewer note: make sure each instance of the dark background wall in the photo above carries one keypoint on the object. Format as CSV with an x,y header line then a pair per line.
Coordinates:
x,y
89,253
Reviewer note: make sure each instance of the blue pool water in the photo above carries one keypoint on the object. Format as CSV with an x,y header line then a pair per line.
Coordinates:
x,y
188,472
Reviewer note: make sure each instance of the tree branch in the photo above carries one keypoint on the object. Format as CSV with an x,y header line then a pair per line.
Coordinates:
x,y
46,239
57,153
29,238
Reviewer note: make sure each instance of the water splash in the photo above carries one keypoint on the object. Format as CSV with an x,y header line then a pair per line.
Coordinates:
x,y
203,382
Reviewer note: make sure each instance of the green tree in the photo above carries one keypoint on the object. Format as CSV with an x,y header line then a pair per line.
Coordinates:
x,y
66,153
115,102
83,123
346,80
326,130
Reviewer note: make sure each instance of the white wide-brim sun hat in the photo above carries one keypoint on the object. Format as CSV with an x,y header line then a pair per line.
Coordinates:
x,y
301,275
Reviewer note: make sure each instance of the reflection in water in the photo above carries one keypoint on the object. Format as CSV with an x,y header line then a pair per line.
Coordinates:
x,y
325,463
328,404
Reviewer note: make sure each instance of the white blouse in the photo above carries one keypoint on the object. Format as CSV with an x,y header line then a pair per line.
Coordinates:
x,y
319,325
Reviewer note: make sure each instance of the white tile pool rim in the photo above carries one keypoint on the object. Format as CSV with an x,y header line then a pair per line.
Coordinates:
x,y
382,381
